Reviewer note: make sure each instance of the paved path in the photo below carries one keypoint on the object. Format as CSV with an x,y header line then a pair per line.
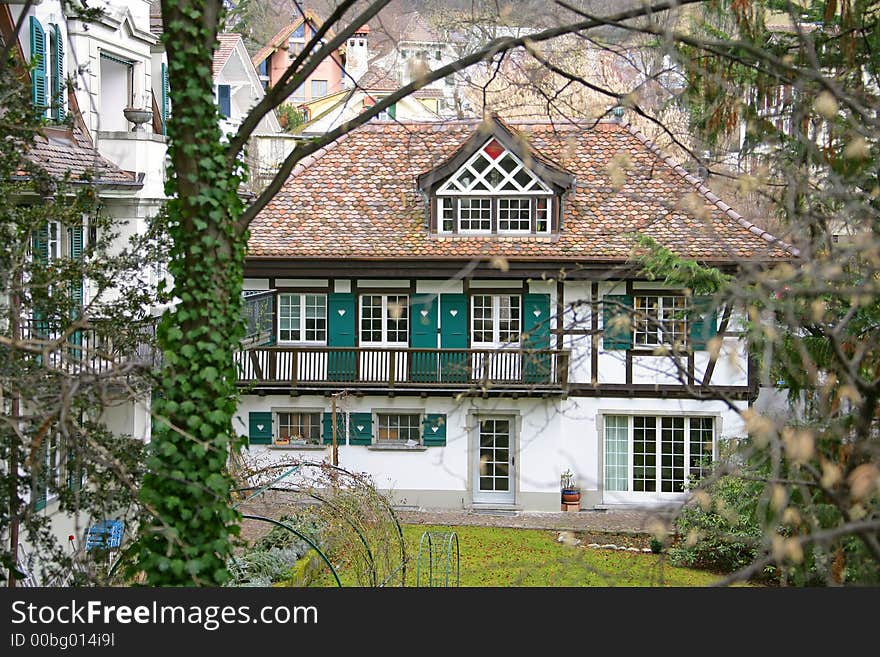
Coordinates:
x,y
619,521
623,521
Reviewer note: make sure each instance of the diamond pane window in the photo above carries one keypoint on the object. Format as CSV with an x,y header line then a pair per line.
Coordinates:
x,y
493,149
494,169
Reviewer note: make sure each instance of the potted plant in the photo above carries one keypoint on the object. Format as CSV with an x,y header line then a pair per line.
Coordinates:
x,y
571,494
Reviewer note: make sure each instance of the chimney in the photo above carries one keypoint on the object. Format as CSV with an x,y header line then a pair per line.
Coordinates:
x,y
356,56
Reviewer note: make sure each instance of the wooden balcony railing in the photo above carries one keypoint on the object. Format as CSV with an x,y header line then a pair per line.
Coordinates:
x,y
391,368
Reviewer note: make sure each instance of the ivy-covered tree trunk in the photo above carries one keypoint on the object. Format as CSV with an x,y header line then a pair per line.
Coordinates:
x,y
186,492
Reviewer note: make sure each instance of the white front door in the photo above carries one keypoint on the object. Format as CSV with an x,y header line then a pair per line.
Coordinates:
x,y
494,468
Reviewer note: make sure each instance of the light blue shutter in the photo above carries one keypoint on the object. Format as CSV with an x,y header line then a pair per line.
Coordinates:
x,y
58,87
38,61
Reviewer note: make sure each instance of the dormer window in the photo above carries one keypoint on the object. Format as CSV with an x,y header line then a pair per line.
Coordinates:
x,y
495,185
494,192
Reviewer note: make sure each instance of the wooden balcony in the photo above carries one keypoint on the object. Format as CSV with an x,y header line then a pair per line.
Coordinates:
x,y
478,371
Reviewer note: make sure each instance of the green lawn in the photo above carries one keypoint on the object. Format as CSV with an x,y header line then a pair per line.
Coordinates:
x,y
493,556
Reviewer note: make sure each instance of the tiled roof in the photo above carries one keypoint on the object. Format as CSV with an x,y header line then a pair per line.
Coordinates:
x,y
357,198
377,78
414,27
61,151
225,45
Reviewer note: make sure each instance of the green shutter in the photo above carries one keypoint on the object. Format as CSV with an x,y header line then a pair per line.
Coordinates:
x,y
40,475
328,428
341,365
40,241
40,251
536,335
360,428
260,427
74,472
38,61
434,430
58,87
616,335
703,322
166,99
423,335
453,335
75,244
392,111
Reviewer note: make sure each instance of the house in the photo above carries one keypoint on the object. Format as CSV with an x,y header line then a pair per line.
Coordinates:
x,y
276,56
325,114
237,86
416,49
463,294
105,126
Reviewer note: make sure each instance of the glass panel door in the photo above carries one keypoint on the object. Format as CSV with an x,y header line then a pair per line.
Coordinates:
x,y
494,467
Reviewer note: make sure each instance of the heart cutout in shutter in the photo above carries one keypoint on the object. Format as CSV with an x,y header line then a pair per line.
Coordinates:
x,y
424,313
360,427
453,312
434,429
536,313
341,312
260,427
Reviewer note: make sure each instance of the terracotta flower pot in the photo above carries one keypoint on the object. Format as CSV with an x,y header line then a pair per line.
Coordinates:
x,y
570,495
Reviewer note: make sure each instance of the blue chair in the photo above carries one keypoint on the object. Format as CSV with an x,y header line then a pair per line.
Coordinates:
x,y
106,534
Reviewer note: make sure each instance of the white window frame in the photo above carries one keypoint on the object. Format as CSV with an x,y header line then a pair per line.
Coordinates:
x,y
535,186
385,318
517,201
419,415
451,206
302,318
474,231
658,492
496,321
276,431
654,324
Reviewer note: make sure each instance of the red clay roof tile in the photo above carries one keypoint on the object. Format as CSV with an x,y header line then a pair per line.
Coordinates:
x,y
357,198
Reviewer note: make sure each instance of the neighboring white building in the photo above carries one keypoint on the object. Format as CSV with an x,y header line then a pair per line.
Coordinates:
x,y
114,63
237,87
